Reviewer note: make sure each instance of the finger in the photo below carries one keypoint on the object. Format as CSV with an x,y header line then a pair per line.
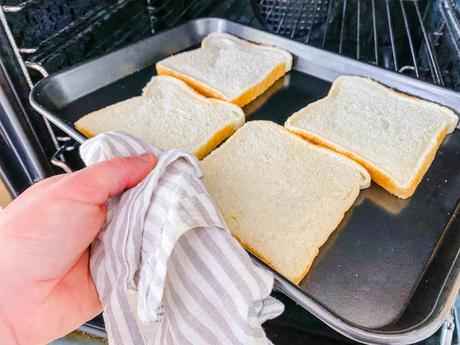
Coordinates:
x,y
97,183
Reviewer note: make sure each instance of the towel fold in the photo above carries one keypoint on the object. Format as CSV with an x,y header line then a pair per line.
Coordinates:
x,y
166,268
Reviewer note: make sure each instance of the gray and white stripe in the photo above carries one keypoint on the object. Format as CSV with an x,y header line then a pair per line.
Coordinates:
x,y
166,268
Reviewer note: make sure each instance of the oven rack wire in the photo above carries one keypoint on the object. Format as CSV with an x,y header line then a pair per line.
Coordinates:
x,y
346,24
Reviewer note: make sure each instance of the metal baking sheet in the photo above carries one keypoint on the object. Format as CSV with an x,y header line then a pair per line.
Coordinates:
x,y
390,272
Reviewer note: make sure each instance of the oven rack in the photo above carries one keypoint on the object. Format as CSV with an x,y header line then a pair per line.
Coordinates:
x,y
33,60
135,16
422,44
425,44
379,35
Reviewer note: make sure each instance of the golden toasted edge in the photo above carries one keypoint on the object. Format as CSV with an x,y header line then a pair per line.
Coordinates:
x,y
249,95
378,175
298,278
212,142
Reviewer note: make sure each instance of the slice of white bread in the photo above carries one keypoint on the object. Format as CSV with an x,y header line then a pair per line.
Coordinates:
x,y
394,136
280,195
228,68
169,114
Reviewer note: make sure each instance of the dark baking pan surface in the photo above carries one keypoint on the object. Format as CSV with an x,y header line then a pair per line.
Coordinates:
x,y
389,273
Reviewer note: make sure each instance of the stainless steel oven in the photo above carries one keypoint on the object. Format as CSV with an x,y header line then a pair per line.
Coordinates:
x,y
419,39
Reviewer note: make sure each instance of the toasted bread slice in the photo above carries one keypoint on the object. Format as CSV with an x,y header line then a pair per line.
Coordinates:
x,y
394,136
280,195
169,114
228,68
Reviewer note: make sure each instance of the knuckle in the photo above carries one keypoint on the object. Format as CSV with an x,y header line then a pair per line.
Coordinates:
x,y
119,163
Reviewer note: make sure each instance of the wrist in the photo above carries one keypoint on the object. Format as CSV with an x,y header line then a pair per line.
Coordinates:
x,y
7,332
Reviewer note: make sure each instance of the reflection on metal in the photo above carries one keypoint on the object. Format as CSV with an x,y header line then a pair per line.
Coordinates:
x,y
27,50
452,23
342,26
79,338
406,68
56,162
447,330
5,107
94,331
409,38
392,39
17,8
433,62
37,67
22,65
9,48
58,158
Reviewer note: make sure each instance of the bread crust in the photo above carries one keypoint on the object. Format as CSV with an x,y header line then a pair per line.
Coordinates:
x,y
203,151
296,280
236,228
195,84
215,140
253,92
379,176
83,131
252,44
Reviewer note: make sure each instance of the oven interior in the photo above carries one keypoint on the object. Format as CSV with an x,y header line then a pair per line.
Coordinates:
x,y
418,38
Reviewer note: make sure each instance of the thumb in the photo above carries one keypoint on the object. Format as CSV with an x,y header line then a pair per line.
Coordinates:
x,y
97,183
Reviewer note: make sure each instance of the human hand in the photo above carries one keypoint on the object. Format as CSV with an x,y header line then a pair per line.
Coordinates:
x,y
46,288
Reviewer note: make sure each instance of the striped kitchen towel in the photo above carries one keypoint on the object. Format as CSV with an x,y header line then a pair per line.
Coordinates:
x,y
166,268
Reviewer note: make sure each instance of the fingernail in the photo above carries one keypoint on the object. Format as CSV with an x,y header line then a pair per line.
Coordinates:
x,y
147,157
